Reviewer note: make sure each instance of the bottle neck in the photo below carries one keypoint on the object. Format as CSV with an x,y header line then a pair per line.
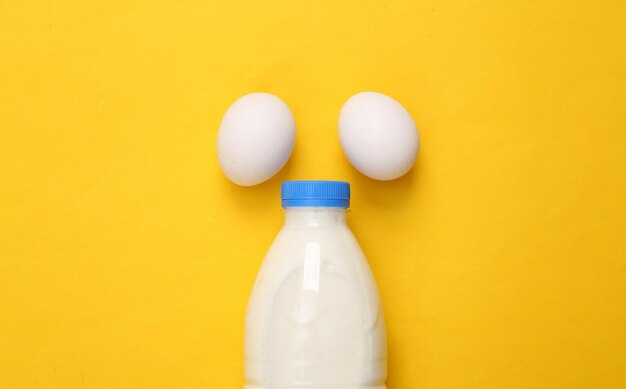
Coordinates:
x,y
314,216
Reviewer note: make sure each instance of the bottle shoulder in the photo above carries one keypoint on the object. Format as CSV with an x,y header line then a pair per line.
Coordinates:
x,y
336,236
317,258
336,245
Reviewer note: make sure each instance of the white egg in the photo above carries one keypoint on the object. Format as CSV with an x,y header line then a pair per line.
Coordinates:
x,y
378,136
255,139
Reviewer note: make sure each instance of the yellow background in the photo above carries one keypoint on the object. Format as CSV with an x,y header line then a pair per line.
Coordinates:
x,y
126,258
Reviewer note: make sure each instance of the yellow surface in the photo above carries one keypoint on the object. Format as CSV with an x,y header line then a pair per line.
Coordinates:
x,y
126,258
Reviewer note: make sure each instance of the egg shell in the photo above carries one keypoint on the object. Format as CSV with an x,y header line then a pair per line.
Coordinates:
x,y
378,136
255,139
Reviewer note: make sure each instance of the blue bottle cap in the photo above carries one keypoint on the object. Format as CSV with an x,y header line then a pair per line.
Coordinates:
x,y
315,194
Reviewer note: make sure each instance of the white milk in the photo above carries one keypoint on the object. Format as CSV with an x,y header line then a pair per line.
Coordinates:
x,y
314,318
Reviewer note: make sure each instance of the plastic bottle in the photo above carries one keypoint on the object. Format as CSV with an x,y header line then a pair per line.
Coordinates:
x,y
314,318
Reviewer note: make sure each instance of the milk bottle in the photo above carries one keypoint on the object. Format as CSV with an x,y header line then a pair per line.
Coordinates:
x,y
314,317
